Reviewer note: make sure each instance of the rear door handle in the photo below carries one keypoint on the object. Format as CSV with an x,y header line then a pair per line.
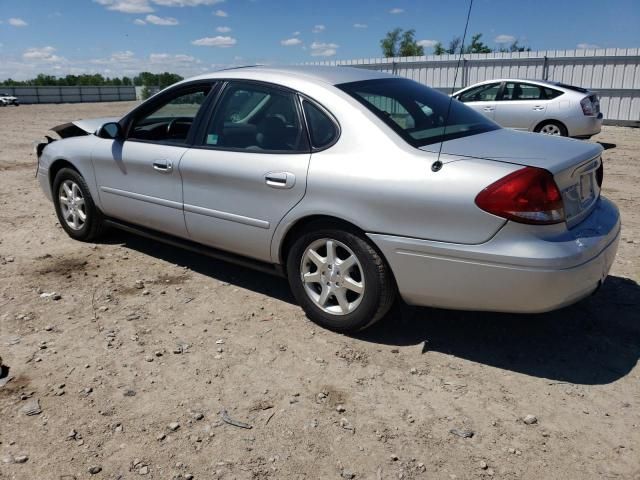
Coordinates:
x,y
538,107
280,179
163,166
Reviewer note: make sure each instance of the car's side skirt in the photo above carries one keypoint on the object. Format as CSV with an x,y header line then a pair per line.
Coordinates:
x,y
273,269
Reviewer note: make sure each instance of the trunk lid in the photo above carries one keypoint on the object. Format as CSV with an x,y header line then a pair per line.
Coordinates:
x,y
573,163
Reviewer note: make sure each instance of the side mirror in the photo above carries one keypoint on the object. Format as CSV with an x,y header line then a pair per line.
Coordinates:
x,y
110,130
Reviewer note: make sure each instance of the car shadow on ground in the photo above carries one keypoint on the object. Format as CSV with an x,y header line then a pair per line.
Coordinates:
x,y
594,342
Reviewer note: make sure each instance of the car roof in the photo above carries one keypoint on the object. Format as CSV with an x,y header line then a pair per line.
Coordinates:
x,y
559,85
313,73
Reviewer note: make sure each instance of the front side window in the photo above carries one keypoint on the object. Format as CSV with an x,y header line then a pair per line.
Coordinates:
x,y
483,93
322,129
419,114
522,91
257,118
170,121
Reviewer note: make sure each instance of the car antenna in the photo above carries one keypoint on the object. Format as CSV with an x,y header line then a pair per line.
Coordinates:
x,y
437,165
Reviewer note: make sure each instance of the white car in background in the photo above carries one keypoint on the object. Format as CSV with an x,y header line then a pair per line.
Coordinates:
x,y
537,106
6,99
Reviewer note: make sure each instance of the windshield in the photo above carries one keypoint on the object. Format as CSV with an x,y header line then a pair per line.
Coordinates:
x,y
416,112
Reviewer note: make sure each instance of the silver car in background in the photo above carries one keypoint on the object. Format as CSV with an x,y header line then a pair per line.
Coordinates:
x,y
355,185
536,106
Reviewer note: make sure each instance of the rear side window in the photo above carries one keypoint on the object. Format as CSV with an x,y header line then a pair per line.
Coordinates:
x,y
258,118
552,93
322,129
522,91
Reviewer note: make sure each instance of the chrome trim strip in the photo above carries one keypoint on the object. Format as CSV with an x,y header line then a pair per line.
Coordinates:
x,y
143,198
232,217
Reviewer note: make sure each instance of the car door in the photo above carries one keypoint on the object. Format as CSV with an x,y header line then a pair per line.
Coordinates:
x,y
138,175
482,98
521,105
249,169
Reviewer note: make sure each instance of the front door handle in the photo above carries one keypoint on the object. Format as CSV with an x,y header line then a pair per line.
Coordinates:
x,y
488,109
280,179
163,166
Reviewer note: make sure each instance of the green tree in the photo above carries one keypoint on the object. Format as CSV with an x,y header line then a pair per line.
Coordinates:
x,y
408,45
477,46
454,45
438,49
389,44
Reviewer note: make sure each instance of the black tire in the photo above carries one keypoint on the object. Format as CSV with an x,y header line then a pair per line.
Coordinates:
x,y
379,292
560,126
93,226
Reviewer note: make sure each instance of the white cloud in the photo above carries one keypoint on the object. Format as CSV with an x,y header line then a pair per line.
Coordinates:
x,y
504,39
162,21
17,22
139,21
427,43
318,28
220,13
219,41
585,46
169,58
44,60
296,33
223,29
319,49
186,3
290,42
127,6
360,25
395,11
44,54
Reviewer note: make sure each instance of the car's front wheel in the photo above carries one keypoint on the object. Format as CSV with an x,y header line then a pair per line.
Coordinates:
x,y
339,279
75,208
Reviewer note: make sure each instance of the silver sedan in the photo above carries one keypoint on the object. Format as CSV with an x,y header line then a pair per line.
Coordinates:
x,y
356,185
536,106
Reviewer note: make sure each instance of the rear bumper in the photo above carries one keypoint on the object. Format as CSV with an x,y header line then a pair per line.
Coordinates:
x,y
522,269
584,126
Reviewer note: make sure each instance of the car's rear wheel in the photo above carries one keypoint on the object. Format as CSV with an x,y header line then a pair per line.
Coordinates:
x,y
75,208
552,128
339,279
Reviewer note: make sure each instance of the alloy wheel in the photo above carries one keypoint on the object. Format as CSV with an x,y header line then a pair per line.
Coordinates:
x,y
332,276
551,129
72,204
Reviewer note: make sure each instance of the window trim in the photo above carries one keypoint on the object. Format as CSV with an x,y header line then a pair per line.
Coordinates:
x,y
200,135
498,93
305,98
126,123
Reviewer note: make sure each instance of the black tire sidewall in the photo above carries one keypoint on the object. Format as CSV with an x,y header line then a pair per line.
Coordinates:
x,y
88,228
366,311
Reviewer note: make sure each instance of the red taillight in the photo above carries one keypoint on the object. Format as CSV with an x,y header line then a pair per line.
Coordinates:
x,y
588,108
529,195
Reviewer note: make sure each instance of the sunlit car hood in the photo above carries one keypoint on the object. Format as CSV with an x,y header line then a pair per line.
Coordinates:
x,y
88,126
534,149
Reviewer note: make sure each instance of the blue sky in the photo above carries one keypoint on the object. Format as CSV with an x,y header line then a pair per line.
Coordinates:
x,y
116,37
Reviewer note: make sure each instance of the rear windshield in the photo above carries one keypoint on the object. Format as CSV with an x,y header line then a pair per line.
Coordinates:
x,y
416,112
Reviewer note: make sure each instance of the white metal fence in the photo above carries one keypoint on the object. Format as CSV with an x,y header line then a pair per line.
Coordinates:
x,y
613,73
71,94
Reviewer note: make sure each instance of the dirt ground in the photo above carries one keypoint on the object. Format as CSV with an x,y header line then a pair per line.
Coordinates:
x,y
132,378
